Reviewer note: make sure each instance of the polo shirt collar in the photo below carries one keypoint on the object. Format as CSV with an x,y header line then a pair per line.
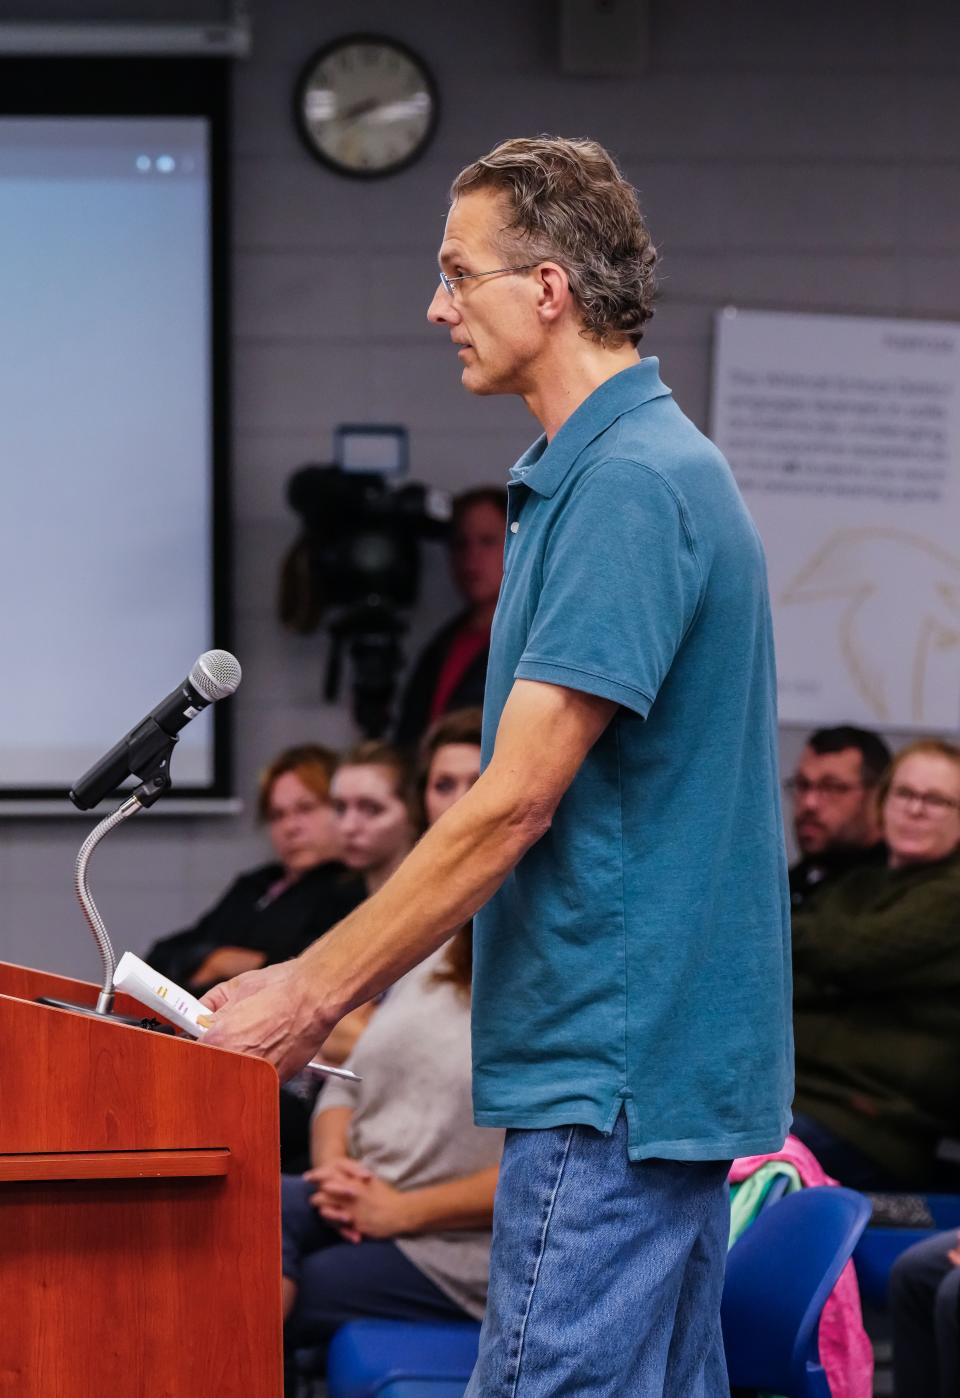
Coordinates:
x,y
544,465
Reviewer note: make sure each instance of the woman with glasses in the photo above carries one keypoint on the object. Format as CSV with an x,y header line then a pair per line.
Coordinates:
x,y
877,989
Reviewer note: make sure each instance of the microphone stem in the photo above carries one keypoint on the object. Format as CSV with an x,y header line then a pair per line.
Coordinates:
x,y
90,911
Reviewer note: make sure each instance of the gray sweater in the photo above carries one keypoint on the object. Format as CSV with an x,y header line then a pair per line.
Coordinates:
x,y
412,1120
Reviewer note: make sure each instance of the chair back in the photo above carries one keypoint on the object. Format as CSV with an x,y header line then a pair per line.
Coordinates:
x,y
365,1356
423,1388
779,1275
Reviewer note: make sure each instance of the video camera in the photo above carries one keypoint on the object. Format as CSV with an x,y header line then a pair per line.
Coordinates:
x,y
359,551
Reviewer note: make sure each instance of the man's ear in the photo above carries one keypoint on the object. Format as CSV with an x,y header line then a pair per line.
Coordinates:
x,y
553,291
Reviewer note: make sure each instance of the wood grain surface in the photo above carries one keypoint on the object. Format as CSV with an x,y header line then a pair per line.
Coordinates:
x,y
115,1165
161,1284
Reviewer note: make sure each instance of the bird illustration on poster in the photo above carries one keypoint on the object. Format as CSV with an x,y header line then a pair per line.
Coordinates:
x,y
899,622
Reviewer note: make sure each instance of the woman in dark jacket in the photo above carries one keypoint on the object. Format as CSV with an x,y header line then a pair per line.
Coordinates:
x,y
877,989
275,911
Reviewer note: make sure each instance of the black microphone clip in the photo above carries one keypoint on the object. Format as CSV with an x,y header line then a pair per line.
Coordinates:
x,y
144,753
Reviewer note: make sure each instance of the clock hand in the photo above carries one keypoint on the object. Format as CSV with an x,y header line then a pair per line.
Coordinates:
x,y
359,109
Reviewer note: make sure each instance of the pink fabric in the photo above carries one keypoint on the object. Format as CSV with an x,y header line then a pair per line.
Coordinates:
x,y
845,1350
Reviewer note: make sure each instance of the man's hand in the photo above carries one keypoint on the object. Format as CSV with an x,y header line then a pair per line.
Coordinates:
x,y
269,1014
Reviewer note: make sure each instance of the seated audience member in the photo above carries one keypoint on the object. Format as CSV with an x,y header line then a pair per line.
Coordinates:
x,y
924,1299
275,911
376,811
452,670
877,989
393,1220
376,814
836,822
376,818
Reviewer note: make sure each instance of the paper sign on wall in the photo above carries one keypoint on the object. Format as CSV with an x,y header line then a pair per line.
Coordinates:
x,y
844,435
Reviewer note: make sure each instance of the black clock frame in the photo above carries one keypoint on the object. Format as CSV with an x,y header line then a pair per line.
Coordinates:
x,y
300,89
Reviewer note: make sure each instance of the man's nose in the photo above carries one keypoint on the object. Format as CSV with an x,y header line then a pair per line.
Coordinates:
x,y
441,310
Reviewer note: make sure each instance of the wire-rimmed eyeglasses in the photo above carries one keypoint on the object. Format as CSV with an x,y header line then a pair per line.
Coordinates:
x,y
449,283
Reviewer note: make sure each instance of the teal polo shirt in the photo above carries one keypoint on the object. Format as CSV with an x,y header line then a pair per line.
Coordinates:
x,y
637,959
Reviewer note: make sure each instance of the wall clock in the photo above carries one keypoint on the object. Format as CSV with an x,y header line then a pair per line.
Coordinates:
x,y
366,106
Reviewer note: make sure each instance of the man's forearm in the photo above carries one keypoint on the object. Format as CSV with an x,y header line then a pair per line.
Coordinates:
x,y
284,1012
451,873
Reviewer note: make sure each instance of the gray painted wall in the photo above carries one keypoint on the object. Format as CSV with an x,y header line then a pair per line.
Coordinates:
x,y
800,157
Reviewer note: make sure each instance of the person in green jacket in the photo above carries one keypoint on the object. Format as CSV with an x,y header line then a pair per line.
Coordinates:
x,y
877,989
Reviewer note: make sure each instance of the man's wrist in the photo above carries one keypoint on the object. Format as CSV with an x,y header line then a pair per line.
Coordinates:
x,y
310,1009
317,1001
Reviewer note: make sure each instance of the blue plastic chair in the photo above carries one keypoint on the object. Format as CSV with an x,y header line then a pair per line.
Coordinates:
x,y
366,1357
779,1275
422,1388
875,1254
944,1209
880,1246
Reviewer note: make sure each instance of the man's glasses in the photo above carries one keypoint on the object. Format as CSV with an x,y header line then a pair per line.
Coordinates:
x,y
449,284
828,787
930,802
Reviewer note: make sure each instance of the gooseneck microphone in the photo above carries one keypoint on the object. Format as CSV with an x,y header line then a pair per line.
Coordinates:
x,y
145,754
214,676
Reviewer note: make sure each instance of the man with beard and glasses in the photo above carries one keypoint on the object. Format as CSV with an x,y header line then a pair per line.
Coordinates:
x,y
836,820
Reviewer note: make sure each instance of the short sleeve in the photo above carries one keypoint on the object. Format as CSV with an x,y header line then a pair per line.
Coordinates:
x,y
620,586
336,1092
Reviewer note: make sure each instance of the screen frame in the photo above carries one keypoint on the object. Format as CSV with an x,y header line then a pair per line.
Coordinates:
x,y
62,87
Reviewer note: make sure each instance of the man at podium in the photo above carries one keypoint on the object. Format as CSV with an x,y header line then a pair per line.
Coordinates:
x,y
632,943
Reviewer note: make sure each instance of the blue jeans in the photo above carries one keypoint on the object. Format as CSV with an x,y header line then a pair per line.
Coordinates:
x,y
605,1275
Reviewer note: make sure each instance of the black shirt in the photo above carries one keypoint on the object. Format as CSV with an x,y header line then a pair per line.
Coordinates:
x,y
246,916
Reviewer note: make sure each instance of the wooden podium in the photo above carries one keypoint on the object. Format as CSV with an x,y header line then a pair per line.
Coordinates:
x,y
139,1207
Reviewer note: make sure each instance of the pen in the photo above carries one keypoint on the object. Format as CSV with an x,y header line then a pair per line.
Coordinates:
x,y
315,1066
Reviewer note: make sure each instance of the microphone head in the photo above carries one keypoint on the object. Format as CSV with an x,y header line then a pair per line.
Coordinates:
x,y
215,675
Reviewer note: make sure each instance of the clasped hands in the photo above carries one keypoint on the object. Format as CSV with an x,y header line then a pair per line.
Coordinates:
x,y
355,1201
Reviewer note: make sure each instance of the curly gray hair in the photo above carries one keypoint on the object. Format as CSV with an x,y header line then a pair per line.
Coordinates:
x,y
570,204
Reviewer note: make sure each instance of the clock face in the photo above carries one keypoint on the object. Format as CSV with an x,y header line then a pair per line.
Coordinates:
x,y
366,106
